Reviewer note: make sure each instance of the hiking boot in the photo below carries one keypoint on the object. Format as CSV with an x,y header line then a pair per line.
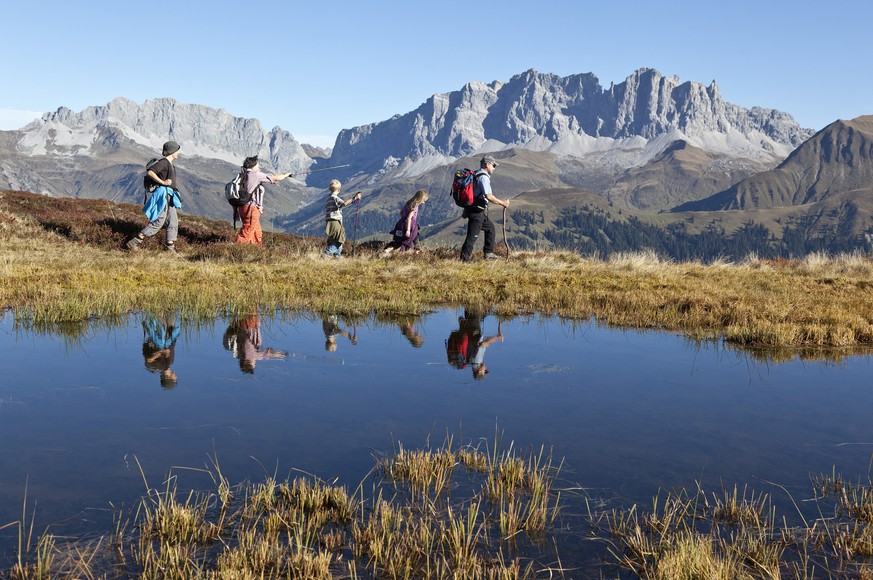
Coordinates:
x,y
134,244
171,248
491,256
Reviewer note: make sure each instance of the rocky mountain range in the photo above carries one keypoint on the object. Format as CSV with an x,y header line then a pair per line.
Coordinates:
x,y
206,132
649,145
100,153
629,123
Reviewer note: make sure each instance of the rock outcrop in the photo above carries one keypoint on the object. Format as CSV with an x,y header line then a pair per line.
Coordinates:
x,y
571,116
202,131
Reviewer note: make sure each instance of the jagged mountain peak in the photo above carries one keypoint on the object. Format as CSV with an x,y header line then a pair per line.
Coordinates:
x,y
202,131
570,115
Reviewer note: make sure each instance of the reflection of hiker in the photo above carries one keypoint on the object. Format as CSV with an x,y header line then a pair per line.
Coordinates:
x,y
159,347
161,205
407,328
477,214
405,231
333,216
243,339
466,346
330,325
250,213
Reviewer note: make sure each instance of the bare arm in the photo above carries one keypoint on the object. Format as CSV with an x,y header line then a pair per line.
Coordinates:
x,y
497,200
154,177
353,199
409,217
490,340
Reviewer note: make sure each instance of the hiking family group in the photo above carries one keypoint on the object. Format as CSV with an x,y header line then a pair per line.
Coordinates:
x,y
244,338
471,190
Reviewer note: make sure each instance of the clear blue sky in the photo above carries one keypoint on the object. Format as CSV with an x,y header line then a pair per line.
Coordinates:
x,y
314,68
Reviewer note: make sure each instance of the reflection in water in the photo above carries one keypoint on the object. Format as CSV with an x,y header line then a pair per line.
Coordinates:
x,y
408,329
631,412
330,324
409,325
465,346
159,345
243,339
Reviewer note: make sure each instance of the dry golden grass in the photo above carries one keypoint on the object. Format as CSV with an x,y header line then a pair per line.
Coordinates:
x,y
738,535
817,303
307,528
304,528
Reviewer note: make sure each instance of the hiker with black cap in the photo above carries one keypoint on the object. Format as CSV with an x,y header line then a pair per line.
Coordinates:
x,y
477,214
159,345
160,207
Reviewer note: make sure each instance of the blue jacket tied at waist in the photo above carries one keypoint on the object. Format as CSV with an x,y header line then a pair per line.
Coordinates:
x,y
157,202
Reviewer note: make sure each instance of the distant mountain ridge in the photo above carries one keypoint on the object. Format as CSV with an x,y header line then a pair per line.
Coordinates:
x,y
610,130
836,160
648,144
203,131
570,115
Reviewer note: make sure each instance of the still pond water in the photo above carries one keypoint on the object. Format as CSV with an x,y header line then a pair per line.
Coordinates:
x,y
629,412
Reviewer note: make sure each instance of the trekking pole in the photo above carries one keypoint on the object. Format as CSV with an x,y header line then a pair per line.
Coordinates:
x,y
505,241
355,235
322,169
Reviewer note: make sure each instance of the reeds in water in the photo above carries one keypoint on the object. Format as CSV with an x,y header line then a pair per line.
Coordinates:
x,y
488,519
419,523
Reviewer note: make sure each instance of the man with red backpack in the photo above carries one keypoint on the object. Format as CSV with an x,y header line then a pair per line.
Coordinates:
x,y
466,345
477,213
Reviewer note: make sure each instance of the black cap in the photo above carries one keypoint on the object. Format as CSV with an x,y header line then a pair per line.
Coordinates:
x,y
170,147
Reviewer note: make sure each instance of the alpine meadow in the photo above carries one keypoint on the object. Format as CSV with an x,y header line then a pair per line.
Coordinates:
x,y
677,311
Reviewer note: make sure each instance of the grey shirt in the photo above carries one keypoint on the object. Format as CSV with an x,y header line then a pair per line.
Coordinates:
x,y
333,208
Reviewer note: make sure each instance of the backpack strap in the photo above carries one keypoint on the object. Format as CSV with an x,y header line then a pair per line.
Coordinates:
x,y
476,189
242,184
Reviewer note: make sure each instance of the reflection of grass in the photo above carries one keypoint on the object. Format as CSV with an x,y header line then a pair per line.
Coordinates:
x,y
60,262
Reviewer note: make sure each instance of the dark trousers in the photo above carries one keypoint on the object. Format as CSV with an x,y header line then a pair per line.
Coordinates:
x,y
477,221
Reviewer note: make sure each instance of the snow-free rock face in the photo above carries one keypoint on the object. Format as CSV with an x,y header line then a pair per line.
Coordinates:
x,y
201,131
573,116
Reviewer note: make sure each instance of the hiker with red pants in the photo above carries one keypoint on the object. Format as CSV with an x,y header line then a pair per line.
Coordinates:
x,y
243,339
477,214
466,346
250,213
